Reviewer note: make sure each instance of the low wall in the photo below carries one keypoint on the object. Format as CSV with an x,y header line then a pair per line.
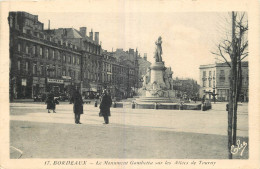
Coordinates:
x,y
169,106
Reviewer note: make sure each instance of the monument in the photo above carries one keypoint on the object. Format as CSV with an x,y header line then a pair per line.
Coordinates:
x,y
157,83
157,91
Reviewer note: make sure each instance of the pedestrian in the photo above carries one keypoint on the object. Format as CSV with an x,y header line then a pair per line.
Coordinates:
x,y
51,105
76,99
105,105
203,99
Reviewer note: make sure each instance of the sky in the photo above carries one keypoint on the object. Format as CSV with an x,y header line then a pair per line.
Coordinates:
x,y
188,37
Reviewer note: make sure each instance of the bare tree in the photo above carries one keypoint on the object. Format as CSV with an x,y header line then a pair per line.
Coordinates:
x,y
236,47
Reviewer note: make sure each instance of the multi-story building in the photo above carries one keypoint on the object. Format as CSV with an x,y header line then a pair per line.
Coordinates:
x,y
92,58
127,69
216,78
65,58
39,60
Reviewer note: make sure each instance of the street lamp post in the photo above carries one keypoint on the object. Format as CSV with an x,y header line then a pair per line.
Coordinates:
x,y
214,95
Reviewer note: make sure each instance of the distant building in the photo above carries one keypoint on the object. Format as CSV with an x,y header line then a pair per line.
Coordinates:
x,y
144,64
216,77
186,88
126,68
91,56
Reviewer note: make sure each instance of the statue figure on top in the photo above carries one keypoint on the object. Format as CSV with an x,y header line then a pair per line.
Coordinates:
x,y
158,50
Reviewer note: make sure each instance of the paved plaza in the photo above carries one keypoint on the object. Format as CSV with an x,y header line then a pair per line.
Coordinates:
x,y
132,133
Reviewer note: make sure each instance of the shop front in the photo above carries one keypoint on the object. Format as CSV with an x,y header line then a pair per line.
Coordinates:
x,y
38,86
57,85
92,91
22,87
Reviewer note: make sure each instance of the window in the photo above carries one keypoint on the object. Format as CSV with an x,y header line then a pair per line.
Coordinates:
x,y
204,83
26,49
59,72
26,66
19,65
53,54
222,76
64,58
204,73
58,55
78,60
34,69
41,70
73,59
69,59
47,70
54,71
33,50
209,73
40,51
19,47
47,53
64,72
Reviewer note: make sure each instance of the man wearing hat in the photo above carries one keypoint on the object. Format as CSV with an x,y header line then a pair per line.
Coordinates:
x,y
105,105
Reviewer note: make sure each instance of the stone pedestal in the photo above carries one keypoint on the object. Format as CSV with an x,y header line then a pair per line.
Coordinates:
x,y
157,72
156,86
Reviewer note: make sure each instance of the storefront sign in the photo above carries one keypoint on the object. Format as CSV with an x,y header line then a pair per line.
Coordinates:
x,y
55,81
24,82
66,77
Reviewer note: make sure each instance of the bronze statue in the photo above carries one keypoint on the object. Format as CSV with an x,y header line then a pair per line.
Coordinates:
x,y
158,50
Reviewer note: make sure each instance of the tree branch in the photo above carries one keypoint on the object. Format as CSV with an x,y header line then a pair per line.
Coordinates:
x,y
219,47
243,57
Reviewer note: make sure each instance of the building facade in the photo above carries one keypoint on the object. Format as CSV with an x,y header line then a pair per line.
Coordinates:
x,y
125,71
39,62
216,78
65,58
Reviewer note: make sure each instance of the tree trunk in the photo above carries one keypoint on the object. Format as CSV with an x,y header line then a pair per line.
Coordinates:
x,y
231,90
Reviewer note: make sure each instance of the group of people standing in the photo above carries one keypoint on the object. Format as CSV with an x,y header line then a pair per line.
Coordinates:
x,y
77,102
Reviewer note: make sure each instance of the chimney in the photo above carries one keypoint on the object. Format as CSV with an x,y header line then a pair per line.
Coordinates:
x,y
91,34
83,31
49,25
145,56
97,37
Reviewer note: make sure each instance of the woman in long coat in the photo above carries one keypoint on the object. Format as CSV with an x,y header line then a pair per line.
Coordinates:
x,y
76,99
50,102
105,105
